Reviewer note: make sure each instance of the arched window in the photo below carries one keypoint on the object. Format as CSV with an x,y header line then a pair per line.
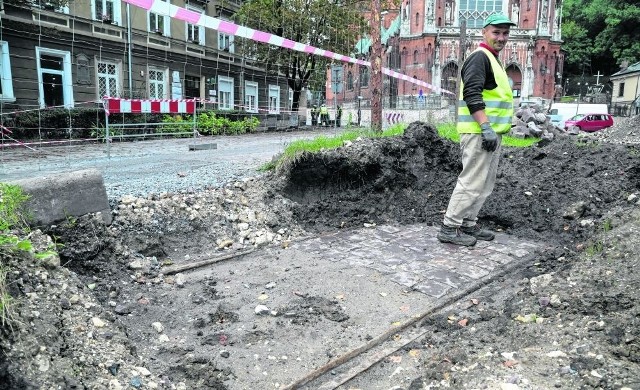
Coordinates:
x,y
415,57
349,81
417,18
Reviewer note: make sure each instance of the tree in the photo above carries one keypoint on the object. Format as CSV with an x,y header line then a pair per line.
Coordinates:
x,y
53,4
600,31
327,24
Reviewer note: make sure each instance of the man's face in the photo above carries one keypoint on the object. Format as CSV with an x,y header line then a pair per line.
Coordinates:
x,y
496,36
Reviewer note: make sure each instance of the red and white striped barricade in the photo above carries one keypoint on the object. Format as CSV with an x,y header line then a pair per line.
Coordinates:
x,y
113,105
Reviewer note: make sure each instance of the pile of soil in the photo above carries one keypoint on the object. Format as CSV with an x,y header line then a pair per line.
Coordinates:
x,y
555,192
575,193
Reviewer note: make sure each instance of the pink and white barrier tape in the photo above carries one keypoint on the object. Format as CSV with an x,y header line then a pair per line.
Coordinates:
x,y
161,7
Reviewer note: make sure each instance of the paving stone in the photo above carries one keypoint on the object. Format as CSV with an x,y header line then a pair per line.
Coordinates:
x,y
449,278
413,257
471,271
432,288
407,279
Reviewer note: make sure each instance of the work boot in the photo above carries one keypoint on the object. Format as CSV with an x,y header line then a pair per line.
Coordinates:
x,y
454,235
477,232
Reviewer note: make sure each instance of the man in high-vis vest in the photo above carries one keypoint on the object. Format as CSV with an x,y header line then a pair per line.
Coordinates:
x,y
485,113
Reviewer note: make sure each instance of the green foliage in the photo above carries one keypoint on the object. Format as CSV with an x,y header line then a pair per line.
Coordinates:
x,y
100,132
326,24
48,4
6,312
209,123
603,32
448,131
62,123
177,125
594,248
11,200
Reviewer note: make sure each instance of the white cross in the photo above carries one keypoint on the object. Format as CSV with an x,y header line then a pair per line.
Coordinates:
x,y
598,78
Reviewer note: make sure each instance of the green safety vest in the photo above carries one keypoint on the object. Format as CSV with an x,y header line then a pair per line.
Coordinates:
x,y
498,103
324,110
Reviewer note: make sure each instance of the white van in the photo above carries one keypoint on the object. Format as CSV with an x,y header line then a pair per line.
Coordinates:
x,y
560,112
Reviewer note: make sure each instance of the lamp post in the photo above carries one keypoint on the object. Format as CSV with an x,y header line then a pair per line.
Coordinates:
x,y
580,94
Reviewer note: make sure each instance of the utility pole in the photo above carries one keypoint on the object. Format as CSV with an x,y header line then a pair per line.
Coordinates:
x,y
376,68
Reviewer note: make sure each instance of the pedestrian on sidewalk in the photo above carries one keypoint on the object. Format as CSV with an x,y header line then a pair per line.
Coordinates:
x,y
485,113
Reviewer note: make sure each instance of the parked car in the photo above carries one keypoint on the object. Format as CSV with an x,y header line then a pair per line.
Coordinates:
x,y
589,122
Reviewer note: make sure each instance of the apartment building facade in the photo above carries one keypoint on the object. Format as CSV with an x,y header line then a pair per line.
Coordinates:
x,y
87,49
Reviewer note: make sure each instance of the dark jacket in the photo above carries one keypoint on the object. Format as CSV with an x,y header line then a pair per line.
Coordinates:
x,y
477,76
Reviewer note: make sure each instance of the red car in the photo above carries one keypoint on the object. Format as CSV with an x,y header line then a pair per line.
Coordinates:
x,y
589,122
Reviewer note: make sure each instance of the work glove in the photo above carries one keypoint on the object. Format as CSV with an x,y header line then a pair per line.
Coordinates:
x,y
489,137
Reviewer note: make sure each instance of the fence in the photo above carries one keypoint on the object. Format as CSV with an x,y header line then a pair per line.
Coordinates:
x,y
153,106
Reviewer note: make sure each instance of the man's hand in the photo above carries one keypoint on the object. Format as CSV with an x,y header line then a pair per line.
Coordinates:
x,y
489,137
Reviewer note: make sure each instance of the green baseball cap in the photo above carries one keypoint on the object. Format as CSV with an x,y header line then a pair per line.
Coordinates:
x,y
498,19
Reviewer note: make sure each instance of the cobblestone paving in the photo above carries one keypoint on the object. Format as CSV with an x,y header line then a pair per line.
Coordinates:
x,y
412,256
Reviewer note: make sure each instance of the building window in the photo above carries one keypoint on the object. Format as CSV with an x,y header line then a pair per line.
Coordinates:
x,y
417,19
274,99
621,90
349,81
158,83
225,42
364,76
192,87
415,57
107,11
251,96
225,93
54,77
6,82
475,12
195,33
159,24
108,79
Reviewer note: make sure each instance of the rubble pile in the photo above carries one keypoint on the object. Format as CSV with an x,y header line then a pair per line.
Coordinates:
x,y
532,121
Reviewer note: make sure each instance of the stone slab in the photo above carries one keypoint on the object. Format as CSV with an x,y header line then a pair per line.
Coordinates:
x,y
56,197
210,146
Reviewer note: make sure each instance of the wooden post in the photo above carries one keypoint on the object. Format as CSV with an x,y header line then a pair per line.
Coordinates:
x,y
376,68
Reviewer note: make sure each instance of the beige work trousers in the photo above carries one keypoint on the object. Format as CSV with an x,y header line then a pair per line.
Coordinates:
x,y
475,182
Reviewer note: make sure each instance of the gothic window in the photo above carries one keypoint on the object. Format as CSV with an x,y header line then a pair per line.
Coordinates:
x,y
475,12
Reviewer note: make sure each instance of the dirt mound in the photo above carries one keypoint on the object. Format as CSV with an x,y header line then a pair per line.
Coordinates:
x,y
556,192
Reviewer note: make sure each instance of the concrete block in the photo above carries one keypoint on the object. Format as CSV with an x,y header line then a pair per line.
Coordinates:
x,y
56,197
203,146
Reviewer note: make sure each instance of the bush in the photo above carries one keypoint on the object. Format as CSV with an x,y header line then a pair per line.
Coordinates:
x,y
90,122
209,122
177,124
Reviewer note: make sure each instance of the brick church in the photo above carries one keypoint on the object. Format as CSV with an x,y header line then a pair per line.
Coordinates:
x,y
422,40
